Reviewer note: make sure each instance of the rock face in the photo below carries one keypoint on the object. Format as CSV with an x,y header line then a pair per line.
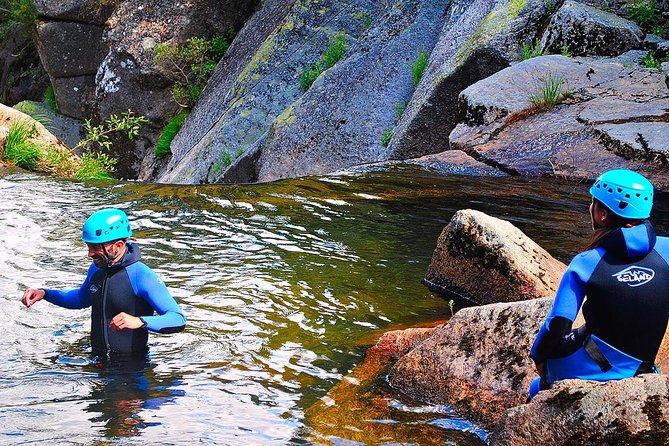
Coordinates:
x,y
484,259
573,412
585,30
22,76
128,78
71,63
613,111
478,363
400,342
478,39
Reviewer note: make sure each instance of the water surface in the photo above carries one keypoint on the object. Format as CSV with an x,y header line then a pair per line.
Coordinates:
x,y
284,285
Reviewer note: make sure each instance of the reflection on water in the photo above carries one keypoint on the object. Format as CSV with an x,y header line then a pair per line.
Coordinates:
x,y
284,285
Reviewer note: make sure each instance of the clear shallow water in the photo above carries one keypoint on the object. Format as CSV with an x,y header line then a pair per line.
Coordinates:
x,y
284,285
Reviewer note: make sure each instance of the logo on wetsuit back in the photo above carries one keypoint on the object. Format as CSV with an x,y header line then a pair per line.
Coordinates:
x,y
93,289
635,275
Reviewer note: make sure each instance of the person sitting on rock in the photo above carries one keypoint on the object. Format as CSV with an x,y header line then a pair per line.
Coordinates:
x,y
625,276
123,292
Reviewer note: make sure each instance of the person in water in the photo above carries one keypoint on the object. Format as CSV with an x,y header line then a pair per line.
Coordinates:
x,y
123,292
625,276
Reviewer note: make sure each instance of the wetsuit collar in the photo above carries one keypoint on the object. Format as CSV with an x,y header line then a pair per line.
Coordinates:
x,y
132,255
636,241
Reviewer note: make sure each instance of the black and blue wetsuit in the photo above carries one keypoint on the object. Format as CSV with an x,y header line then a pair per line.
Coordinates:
x,y
626,281
128,286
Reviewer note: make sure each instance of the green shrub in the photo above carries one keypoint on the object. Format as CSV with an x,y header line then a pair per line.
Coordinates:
x,y
96,166
418,67
337,46
552,92
335,50
385,137
227,159
643,12
530,51
19,150
190,65
309,75
565,51
24,13
169,132
239,152
649,61
50,99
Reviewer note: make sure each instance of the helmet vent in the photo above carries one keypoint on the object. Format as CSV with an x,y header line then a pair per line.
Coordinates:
x,y
619,190
627,195
622,205
98,232
638,195
610,190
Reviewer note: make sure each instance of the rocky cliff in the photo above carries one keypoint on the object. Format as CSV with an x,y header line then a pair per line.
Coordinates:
x,y
411,78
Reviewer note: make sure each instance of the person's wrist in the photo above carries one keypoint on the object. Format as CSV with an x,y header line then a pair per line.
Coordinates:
x,y
143,322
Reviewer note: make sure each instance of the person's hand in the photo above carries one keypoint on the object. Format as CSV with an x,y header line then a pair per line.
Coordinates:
x,y
123,321
31,296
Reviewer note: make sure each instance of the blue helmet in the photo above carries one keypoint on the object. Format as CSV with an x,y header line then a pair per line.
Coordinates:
x,y
106,225
625,193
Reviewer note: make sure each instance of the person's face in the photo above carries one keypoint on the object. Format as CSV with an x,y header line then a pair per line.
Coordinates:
x,y
96,251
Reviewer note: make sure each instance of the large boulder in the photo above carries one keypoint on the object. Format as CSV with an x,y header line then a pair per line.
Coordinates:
x,y
68,130
574,412
485,260
478,39
478,363
70,49
611,110
81,11
9,115
268,120
21,73
588,31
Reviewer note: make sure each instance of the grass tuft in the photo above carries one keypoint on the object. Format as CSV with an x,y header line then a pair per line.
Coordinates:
x,y
418,67
169,132
335,50
530,51
552,92
96,166
50,99
649,61
643,12
19,149
385,137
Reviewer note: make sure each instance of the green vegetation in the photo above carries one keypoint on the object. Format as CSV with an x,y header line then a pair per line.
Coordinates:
x,y
649,61
552,92
21,12
418,67
335,50
364,17
97,136
643,12
50,99
169,132
19,149
530,51
565,51
239,152
190,65
227,158
96,166
385,137
451,304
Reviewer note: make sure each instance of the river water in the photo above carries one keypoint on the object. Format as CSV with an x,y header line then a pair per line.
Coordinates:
x,y
284,285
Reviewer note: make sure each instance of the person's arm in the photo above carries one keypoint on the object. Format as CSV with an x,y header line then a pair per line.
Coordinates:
x,y
74,299
568,301
148,286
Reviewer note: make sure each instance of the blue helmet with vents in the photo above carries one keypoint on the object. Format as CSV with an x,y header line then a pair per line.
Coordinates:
x,y
105,226
625,193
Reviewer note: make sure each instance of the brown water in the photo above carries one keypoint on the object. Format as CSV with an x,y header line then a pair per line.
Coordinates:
x,y
284,285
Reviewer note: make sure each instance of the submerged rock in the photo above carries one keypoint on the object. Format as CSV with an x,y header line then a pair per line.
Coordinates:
x,y
484,259
575,412
478,363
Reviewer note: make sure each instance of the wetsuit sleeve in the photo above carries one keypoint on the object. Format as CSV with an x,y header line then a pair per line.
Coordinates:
x,y
75,298
148,286
662,248
568,301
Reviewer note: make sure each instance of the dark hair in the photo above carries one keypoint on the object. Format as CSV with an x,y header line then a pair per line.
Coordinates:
x,y
616,221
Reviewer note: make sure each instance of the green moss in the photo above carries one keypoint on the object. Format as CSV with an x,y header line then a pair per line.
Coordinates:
x,y
50,99
495,22
169,132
